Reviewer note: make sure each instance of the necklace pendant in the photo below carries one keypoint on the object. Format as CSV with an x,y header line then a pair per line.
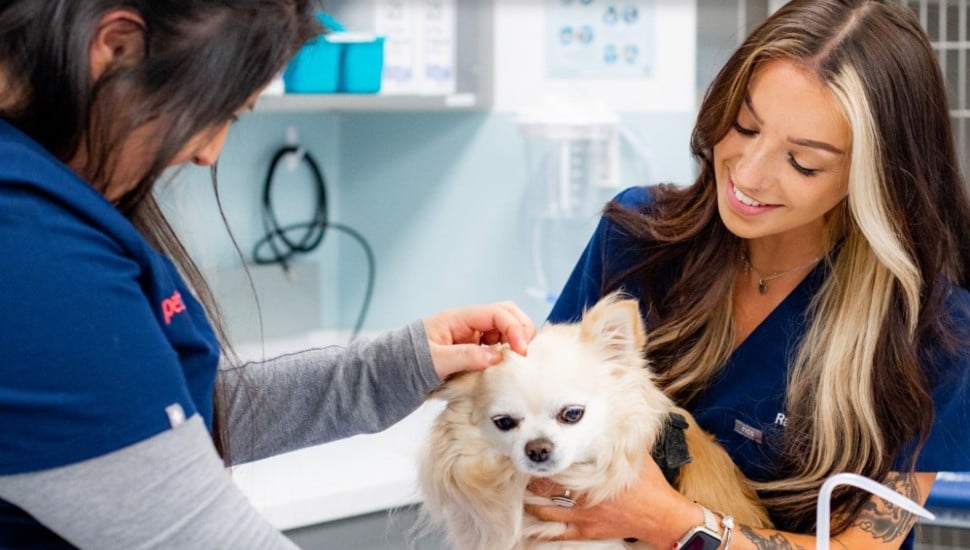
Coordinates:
x,y
762,286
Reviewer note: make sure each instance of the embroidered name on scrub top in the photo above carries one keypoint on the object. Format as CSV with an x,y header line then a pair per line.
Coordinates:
x,y
748,431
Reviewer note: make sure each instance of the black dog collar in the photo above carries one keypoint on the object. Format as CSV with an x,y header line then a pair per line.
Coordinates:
x,y
670,450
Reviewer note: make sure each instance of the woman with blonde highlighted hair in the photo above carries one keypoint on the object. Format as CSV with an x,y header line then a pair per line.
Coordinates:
x,y
806,298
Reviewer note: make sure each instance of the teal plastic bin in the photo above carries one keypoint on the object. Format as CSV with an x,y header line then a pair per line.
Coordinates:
x,y
336,62
362,62
315,69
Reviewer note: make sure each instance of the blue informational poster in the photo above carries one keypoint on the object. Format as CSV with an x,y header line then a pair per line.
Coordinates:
x,y
600,39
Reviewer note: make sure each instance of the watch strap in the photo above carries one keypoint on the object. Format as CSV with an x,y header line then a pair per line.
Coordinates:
x,y
710,520
728,522
702,537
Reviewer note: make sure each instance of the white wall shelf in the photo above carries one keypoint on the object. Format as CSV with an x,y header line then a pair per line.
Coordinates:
x,y
369,102
474,23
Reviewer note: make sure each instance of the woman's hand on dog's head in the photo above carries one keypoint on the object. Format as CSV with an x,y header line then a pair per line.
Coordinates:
x,y
463,339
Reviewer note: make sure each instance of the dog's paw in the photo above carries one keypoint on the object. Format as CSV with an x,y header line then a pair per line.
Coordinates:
x,y
537,534
535,529
537,500
579,545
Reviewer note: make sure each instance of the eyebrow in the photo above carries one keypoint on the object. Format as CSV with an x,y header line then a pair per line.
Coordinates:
x,y
815,144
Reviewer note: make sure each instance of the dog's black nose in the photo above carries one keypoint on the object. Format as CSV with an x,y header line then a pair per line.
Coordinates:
x,y
538,450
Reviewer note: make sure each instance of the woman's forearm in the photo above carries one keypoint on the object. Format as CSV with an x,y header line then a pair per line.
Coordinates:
x,y
321,395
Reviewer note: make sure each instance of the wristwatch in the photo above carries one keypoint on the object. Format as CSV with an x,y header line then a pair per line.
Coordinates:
x,y
701,537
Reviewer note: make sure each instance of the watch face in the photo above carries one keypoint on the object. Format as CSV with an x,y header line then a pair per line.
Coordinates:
x,y
701,541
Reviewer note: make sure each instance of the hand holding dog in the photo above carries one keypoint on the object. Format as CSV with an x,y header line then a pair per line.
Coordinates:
x,y
459,338
650,510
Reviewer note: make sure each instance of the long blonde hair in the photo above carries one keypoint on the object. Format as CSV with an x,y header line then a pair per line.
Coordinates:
x,y
857,392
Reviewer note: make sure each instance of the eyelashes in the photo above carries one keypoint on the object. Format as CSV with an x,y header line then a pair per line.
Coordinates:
x,y
747,132
799,168
803,170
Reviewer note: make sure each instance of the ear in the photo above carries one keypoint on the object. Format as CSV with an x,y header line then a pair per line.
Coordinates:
x,y
457,385
615,324
119,40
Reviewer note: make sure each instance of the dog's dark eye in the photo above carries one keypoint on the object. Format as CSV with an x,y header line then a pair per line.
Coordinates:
x,y
505,423
571,415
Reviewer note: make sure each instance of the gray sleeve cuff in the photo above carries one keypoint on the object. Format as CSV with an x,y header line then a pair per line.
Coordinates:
x,y
422,356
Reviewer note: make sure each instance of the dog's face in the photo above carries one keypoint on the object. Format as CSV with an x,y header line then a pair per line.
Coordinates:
x,y
548,410
567,399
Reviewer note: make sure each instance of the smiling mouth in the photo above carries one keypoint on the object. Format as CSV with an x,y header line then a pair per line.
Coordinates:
x,y
746,199
745,205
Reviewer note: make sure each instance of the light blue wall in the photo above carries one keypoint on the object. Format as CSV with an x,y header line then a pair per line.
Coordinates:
x,y
285,306
441,197
242,168
438,195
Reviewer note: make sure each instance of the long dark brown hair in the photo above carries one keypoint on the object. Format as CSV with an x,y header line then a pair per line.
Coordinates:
x,y
905,235
202,61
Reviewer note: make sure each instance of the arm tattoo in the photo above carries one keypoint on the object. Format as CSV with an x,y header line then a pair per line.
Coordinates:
x,y
884,520
887,521
776,541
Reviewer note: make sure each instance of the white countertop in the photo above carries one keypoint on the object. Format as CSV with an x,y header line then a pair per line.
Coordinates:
x,y
354,476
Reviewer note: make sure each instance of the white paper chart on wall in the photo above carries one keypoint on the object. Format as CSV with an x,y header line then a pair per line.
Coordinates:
x,y
600,39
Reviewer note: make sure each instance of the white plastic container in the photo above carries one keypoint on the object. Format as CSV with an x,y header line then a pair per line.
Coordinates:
x,y
573,158
572,154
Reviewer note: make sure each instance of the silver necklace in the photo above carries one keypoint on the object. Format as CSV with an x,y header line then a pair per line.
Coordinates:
x,y
763,279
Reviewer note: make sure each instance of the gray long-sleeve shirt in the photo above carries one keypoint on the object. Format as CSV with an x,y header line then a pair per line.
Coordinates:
x,y
171,491
320,395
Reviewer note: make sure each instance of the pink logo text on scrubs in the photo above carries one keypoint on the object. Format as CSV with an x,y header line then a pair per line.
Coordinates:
x,y
171,306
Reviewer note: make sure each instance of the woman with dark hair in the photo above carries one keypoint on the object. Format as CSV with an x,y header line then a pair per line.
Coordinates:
x,y
806,298
110,396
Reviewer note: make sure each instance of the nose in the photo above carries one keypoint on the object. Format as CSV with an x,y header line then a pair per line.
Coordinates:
x,y
750,170
203,160
538,450
208,153
207,156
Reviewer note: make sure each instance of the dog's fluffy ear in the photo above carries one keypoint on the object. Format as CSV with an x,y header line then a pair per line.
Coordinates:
x,y
463,383
456,385
615,323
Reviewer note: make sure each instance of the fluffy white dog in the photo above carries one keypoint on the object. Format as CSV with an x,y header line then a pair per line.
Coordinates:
x,y
580,409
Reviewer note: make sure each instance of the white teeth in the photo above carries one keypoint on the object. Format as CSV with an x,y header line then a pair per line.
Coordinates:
x,y
746,199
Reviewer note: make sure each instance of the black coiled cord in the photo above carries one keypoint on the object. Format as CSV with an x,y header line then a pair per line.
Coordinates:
x,y
283,248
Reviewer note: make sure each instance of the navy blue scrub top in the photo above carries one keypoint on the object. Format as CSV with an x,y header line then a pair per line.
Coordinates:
x,y
103,343
744,405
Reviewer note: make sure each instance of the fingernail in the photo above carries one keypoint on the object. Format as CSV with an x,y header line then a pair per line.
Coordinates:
x,y
523,343
493,354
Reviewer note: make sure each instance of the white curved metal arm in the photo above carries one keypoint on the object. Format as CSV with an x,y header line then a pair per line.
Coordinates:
x,y
862,482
